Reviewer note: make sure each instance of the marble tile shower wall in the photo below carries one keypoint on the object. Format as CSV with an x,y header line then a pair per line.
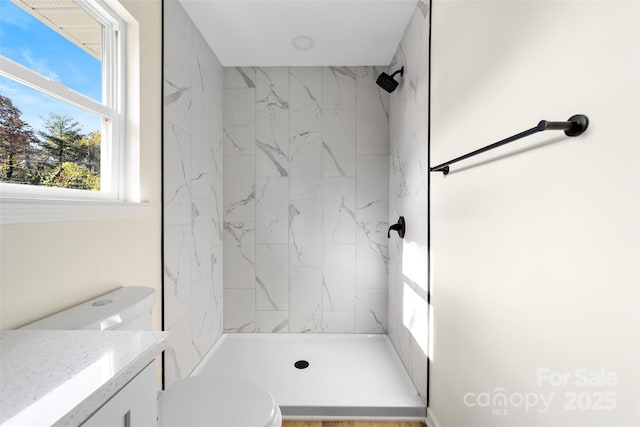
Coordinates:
x,y
408,308
306,175
193,155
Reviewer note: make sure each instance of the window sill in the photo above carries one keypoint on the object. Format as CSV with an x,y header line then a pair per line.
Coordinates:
x,y
30,211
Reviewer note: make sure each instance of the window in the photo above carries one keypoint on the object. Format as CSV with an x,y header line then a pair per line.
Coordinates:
x,y
61,100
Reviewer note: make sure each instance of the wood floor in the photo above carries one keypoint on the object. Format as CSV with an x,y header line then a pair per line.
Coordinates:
x,y
351,424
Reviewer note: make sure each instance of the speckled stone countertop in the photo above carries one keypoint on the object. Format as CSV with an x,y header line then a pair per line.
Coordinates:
x,y
61,377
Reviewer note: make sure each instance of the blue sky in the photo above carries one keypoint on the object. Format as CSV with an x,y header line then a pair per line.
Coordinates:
x,y
31,43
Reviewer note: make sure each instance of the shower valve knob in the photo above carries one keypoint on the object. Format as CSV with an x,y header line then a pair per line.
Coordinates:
x,y
399,227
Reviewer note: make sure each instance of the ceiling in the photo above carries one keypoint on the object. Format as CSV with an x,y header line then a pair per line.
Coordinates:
x,y
260,32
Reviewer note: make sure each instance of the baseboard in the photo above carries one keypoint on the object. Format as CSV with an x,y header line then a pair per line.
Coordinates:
x,y
432,420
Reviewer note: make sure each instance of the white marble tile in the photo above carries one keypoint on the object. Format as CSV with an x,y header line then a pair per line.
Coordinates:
x,y
372,121
372,188
398,186
239,255
177,23
193,178
338,322
203,162
212,74
217,137
305,233
418,369
305,100
202,232
395,303
305,166
408,310
217,210
239,121
202,316
415,315
367,75
217,74
371,255
272,142
217,275
402,342
338,143
272,88
338,88
177,175
338,210
338,277
239,77
200,64
413,153
272,210
272,321
272,277
239,310
239,188
371,311
414,257
218,292
178,358
305,299
177,273
177,79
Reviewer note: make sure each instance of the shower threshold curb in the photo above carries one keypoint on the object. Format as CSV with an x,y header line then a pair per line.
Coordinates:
x,y
353,412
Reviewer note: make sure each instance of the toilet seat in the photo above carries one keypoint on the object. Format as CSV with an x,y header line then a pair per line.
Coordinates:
x,y
208,400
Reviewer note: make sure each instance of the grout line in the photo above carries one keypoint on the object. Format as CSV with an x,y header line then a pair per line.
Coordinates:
x,y
322,218
255,202
289,305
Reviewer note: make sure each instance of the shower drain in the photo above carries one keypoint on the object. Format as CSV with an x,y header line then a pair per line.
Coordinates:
x,y
301,364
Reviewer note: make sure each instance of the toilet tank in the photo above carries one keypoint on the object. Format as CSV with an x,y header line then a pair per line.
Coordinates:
x,y
127,308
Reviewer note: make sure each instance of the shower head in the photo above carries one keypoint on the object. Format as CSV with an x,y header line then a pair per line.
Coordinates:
x,y
387,82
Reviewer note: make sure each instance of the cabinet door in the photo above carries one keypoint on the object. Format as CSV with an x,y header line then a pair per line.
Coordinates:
x,y
135,405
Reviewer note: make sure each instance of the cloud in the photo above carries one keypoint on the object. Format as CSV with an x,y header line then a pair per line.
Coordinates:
x,y
39,65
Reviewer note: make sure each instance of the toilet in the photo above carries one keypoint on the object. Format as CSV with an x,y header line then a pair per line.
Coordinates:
x,y
203,400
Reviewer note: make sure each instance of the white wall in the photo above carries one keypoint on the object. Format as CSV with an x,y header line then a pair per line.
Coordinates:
x,y
408,130
535,255
192,194
305,200
49,267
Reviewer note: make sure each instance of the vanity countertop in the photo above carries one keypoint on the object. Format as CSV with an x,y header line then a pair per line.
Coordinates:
x,y
62,377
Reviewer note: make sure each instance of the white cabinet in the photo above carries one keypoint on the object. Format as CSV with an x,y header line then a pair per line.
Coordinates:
x,y
134,405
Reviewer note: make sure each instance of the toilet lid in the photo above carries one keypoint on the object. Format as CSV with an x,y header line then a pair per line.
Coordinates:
x,y
208,400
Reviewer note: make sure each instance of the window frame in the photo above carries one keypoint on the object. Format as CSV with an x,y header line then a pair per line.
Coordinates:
x,y
111,110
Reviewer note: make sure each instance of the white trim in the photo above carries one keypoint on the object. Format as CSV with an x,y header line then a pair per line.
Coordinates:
x,y
57,90
30,211
432,420
39,192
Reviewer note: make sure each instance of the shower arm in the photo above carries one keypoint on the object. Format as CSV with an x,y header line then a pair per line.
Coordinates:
x,y
401,71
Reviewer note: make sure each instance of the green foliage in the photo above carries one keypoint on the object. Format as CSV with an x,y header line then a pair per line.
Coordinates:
x,y
60,156
19,151
70,175
62,138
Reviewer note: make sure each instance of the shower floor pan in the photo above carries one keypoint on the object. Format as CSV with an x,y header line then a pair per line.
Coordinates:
x,y
327,376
